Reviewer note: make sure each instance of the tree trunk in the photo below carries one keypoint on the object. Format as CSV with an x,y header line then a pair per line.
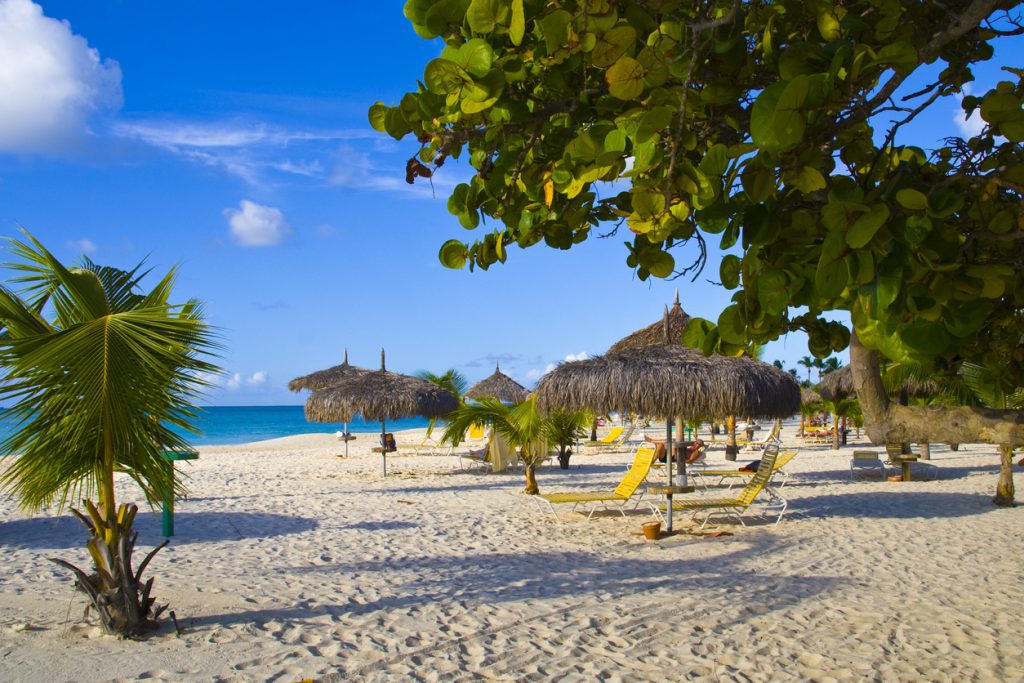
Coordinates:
x,y
593,430
886,422
803,420
835,432
731,449
563,458
924,450
954,446
531,479
115,590
1004,487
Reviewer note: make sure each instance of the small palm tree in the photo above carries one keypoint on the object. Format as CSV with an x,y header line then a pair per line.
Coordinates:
x,y
808,363
452,381
808,410
841,407
99,373
521,425
566,428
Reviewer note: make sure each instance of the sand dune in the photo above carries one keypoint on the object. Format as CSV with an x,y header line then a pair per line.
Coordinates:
x,y
290,562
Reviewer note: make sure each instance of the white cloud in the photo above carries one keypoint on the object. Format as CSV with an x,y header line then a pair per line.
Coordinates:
x,y
236,380
257,378
537,374
255,225
84,245
972,126
51,80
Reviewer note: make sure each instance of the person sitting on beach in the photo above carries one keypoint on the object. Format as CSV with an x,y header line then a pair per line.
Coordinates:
x,y
693,451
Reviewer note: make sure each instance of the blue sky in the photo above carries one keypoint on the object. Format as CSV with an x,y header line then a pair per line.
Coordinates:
x,y
231,138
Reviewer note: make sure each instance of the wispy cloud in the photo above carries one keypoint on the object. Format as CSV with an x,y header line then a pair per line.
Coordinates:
x,y
83,246
256,152
235,381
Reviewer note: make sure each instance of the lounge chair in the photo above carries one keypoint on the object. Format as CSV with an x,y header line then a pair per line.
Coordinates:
x,y
612,440
621,495
866,463
780,462
774,436
427,446
741,503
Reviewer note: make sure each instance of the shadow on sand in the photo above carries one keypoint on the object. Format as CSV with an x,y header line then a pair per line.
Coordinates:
x,y
44,533
897,504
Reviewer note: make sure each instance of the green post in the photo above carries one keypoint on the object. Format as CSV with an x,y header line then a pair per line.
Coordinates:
x,y
168,506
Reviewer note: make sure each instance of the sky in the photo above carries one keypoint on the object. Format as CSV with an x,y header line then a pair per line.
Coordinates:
x,y
231,139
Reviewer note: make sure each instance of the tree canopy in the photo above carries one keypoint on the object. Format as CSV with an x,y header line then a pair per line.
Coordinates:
x,y
774,126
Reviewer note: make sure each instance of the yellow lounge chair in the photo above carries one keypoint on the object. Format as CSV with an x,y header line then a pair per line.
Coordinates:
x,y
623,492
618,437
738,505
781,461
773,437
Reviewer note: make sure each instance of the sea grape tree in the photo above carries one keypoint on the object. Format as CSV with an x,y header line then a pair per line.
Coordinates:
x,y
775,126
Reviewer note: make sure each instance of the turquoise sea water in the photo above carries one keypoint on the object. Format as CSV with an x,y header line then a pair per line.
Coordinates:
x,y
241,424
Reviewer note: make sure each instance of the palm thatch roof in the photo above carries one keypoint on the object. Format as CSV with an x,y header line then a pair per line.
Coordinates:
x,y
838,384
379,395
670,380
808,396
654,334
499,386
321,379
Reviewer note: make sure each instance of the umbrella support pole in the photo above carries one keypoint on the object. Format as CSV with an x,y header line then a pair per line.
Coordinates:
x,y
384,448
344,434
669,454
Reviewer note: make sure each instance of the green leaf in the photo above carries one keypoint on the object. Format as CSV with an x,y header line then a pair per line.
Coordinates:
x,y
901,55
696,332
476,57
659,263
912,199
865,227
517,26
376,114
483,15
731,326
809,179
729,271
772,292
828,24
443,76
831,276
453,254
625,78
612,45
777,120
555,27
917,229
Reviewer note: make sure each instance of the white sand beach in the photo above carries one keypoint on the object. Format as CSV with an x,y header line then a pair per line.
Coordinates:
x,y
292,563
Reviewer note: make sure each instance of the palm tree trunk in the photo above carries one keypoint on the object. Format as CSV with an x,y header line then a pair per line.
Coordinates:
x,y
730,438
925,450
1004,487
105,479
835,432
531,480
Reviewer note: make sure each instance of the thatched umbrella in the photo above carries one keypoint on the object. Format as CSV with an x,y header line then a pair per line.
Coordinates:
x,y
672,381
499,386
808,396
654,334
838,384
380,395
321,379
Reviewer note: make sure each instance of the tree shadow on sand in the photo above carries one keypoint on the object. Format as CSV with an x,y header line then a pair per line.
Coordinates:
x,y
533,578
897,504
65,531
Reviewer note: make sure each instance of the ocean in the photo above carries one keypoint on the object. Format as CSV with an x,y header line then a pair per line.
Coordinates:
x,y
230,425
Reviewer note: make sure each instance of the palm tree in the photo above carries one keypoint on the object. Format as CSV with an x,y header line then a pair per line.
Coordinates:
x,y
99,373
522,425
808,410
808,363
452,381
841,407
566,428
